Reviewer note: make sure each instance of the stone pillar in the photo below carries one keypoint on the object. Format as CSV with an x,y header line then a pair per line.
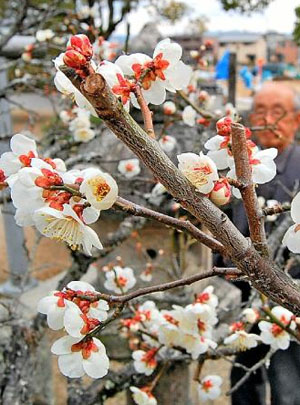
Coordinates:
x,y
17,259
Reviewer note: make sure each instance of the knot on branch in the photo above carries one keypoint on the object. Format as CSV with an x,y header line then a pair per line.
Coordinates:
x,y
93,85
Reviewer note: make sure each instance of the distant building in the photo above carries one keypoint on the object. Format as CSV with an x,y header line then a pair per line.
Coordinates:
x,y
282,48
247,45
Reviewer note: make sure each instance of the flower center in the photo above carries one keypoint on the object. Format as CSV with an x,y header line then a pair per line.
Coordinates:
x,y
207,385
276,330
149,358
100,188
86,347
170,319
121,281
202,298
198,175
26,159
129,167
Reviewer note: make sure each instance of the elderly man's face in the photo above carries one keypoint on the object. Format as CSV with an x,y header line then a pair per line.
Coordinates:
x,y
274,105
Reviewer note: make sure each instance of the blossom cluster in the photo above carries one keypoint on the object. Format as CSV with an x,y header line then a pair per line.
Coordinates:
x,y
79,352
155,335
79,123
163,72
202,170
60,203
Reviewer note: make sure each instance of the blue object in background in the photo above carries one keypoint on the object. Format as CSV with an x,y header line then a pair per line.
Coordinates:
x,y
247,77
222,67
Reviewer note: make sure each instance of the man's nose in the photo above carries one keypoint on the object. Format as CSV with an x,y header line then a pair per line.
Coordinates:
x,y
269,117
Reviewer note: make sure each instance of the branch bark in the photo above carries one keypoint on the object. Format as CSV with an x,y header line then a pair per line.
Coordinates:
x,y
244,176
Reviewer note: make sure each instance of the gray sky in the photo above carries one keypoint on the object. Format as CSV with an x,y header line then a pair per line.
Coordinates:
x,y
279,16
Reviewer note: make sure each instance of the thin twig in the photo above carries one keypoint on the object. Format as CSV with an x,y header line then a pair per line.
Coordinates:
x,y
203,113
250,371
184,225
216,271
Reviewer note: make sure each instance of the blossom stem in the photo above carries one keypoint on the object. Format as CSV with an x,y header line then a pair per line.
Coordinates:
x,y
147,114
203,113
70,189
159,375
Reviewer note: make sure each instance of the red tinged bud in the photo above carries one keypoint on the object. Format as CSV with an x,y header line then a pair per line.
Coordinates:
x,y
81,44
74,59
2,176
224,126
221,193
203,121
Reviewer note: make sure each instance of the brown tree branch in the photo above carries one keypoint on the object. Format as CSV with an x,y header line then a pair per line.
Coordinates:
x,y
216,271
244,175
277,209
264,275
183,225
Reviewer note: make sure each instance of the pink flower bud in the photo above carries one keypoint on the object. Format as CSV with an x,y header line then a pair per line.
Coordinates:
x,y
221,193
81,44
74,59
2,176
224,126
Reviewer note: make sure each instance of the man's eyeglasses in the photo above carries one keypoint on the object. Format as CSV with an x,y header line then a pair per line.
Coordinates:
x,y
276,113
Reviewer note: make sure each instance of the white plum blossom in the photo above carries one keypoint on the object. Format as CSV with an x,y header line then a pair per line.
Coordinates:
x,y
250,315
195,319
209,387
78,357
169,335
200,170
242,340
145,362
208,297
169,108
218,151
291,238
65,116
23,149
44,35
129,167
167,143
142,396
62,312
189,116
56,307
99,188
196,345
83,134
262,165
66,226
272,334
120,279
165,71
